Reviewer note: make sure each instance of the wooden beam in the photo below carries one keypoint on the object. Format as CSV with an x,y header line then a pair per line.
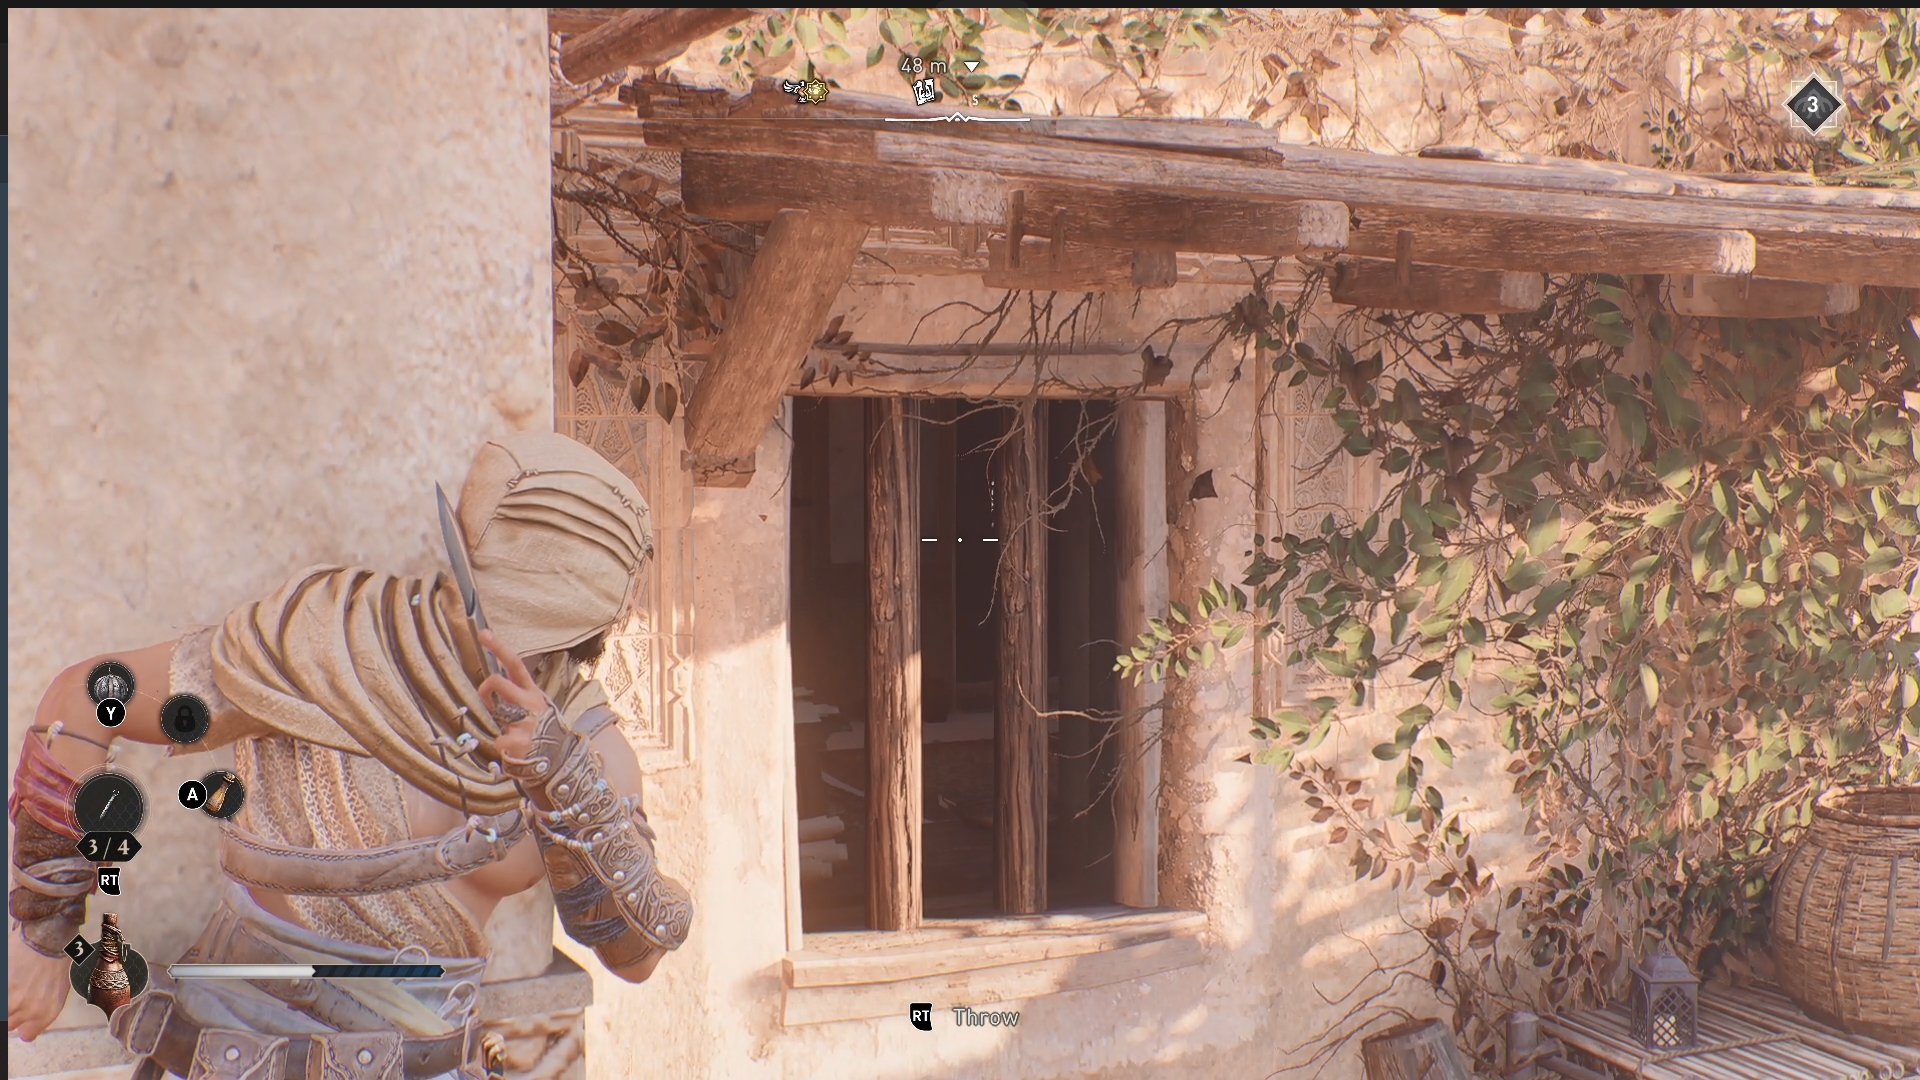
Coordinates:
x,y
1802,233
1548,246
1141,555
1376,283
1020,728
894,797
782,306
647,36
752,187
1049,266
1758,298
997,371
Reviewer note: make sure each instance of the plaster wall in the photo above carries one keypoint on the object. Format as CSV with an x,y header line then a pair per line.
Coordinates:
x,y
1287,922
272,274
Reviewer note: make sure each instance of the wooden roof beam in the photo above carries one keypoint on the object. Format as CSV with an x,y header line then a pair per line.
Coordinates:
x,y
1384,283
754,187
999,371
782,306
1053,264
1758,298
1549,246
648,36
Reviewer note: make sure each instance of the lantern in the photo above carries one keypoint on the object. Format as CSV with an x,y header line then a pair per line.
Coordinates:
x,y
1664,1002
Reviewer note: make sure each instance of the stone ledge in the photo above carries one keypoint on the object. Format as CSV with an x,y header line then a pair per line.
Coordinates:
x,y
855,976
564,987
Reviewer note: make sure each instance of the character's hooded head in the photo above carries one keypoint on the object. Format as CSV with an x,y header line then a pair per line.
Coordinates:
x,y
556,536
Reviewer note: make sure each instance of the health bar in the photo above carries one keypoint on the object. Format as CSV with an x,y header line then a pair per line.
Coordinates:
x,y
306,971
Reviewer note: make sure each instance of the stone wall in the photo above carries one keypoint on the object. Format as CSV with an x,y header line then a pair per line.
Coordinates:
x,y
272,274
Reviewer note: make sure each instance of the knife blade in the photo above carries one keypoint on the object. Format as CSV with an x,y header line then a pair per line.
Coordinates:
x,y
456,543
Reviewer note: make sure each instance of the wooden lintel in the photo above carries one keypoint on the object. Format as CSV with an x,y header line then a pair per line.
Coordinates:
x,y
1059,265
752,187
1378,283
1020,704
1758,298
782,306
648,36
1116,371
894,811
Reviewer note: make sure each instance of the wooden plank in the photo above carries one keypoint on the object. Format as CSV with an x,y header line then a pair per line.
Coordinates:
x,y
1767,1002
1362,189
1140,553
750,187
647,36
997,371
895,854
1012,982
1068,267
743,187
938,623
812,967
1758,298
1576,174
1548,246
1020,732
1374,283
782,306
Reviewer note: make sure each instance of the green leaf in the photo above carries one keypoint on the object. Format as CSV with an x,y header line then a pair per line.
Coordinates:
x,y
1889,603
807,29
1666,515
1585,443
1880,561
1543,529
835,54
1826,563
1443,751
1675,469
1386,751
1750,594
1524,574
1650,684
1454,583
875,54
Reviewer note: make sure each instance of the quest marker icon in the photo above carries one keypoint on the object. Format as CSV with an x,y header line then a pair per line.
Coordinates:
x,y
921,1013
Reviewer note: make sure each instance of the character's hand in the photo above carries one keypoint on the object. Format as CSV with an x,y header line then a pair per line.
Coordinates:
x,y
37,988
514,686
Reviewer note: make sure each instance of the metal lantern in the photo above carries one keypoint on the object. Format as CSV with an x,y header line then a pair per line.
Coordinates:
x,y
1664,1002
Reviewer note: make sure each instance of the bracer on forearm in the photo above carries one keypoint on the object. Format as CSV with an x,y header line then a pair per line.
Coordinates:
x,y
51,880
598,849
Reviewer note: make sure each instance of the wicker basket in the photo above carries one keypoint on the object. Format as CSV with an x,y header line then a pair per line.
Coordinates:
x,y
1846,913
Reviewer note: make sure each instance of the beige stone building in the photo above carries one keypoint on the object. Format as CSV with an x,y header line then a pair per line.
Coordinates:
x,y
274,274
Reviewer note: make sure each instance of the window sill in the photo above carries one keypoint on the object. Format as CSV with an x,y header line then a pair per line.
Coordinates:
x,y
864,974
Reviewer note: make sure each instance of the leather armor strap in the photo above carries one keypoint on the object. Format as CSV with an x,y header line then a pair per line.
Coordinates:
x,y
51,885
155,1027
252,860
43,789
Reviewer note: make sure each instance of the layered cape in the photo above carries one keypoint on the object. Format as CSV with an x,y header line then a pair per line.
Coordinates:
x,y
385,666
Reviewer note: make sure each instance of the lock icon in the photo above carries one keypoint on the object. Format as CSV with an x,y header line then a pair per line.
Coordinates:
x,y
184,718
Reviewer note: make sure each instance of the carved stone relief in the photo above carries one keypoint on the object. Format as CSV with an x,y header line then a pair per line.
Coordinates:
x,y
647,668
